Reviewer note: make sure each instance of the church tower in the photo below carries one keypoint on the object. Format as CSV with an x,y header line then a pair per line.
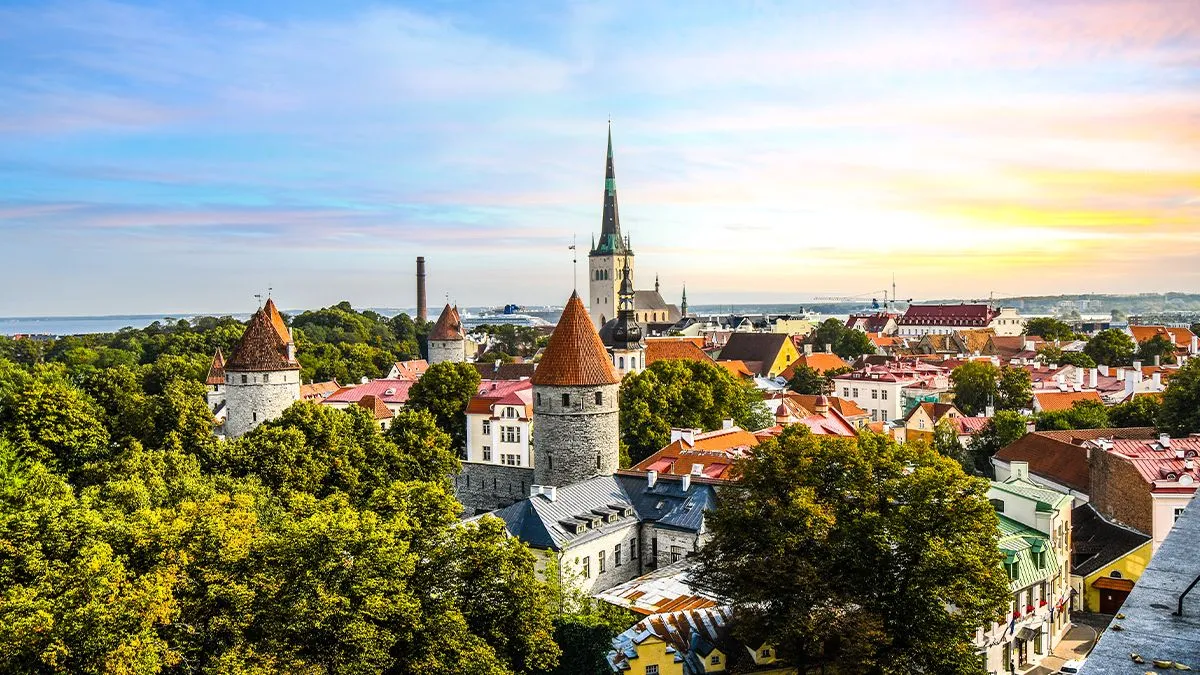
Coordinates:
x,y
575,432
604,260
628,352
447,341
262,375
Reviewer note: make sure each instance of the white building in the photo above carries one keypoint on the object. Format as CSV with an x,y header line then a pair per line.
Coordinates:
x,y
885,391
919,320
500,424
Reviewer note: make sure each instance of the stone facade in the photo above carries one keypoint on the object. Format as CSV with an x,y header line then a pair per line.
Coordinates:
x,y
487,487
255,397
662,546
575,433
1119,492
454,351
589,577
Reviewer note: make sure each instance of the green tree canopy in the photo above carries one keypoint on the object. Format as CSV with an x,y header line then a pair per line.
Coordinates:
x,y
1081,415
807,380
860,554
1049,328
1005,427
1111,347
1064,358
1139,411
1158,346
444,391
681,393
974,386
848,343
1014,389
1180,414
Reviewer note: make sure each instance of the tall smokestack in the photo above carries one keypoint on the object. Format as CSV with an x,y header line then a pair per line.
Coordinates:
x,y
422,308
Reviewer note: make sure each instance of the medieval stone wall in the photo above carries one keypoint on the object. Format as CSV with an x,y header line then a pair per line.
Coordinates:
x,y
576,438
454,351
264,396
487,487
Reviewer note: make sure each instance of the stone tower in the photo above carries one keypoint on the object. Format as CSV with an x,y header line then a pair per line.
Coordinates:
x,y
628,352
447,341
575,433
262,375
608,253
214,384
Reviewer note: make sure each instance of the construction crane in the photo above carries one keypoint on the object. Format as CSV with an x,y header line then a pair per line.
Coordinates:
x,y
874,295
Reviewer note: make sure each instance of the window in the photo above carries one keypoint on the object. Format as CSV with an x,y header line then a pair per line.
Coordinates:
x,y
997,504
633,362
676,553
617,555
510,434
633,549
883,415
654,550
883,394
1178,512
652,669
587,567
243,379
266,377
620,364
510,460
715,660
538,398
875,393
600,561
487,426
600,396
920,424
487,453
765,652
856,392
845,392
566,400
254,417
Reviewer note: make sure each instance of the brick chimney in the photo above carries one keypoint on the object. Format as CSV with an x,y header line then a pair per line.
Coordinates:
x,y
422,308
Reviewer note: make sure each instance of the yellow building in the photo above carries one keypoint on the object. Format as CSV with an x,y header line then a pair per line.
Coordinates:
x,y
765,354
1108,560
690,642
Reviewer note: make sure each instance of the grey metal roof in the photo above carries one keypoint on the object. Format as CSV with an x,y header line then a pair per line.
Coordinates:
x,y
543,523
1097,542
1151,628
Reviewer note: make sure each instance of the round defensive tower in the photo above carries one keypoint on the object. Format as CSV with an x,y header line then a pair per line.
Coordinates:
x,y
262,375
575,408
447,340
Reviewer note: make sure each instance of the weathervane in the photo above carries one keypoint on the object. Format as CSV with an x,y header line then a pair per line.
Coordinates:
x,y
574,265
258,300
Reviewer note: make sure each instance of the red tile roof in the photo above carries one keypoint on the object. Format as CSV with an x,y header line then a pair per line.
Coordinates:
x,y
685,348
1050,401
1060,455
379,388
216,371
412,369
948,315
970,425
1162,465
716,451
502,392
448,326
935,411
575,356
264,345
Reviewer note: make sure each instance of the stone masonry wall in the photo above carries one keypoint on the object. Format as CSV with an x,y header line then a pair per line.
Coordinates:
x,y
454,351
689,542
577,441
487,487
1119,492
257,401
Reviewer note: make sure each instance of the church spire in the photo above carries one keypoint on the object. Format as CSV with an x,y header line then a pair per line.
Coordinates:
x,y
610,227
683,305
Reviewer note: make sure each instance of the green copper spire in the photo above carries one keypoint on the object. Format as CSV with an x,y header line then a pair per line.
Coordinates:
x,y
610,242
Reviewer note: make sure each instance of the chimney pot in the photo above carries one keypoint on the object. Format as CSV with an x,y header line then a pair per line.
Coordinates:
x,y
727,423
651,478
686,483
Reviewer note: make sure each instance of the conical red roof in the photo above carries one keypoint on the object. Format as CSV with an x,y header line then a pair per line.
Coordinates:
x,y
216,371
575,356
448,326
264,345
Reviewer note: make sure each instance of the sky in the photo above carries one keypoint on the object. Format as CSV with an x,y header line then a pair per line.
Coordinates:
x,y
184,156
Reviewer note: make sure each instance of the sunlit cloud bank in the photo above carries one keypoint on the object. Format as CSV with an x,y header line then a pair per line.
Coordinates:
x,y
180,157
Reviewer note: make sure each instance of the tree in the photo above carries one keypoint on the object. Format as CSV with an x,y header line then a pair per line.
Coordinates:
x,y
1014,390
426,452
860,554
847,343
1062,358
1005,427
946,443
1158,346
1081,415
55,423
974,386
1111,347
1139,411
679,393
1180,414
444,391
1049,328
807,380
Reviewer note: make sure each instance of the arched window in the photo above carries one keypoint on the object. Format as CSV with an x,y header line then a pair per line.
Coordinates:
x,y
632,362
621,362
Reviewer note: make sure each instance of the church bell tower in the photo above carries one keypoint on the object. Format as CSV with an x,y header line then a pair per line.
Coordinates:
x,y
610,254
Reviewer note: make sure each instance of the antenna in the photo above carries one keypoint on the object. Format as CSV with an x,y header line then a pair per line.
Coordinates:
x,y
258,300
269,289
574,265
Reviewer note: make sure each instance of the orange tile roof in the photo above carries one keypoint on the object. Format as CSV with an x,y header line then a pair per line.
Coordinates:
x,y
376,407
1183,336
412,369
686,349
1050,401
716,451
318,389
448,326
819,361
575,356
737,368
264,345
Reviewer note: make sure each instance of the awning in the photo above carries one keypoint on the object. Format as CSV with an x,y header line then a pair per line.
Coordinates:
x,y
1113,584
1026,633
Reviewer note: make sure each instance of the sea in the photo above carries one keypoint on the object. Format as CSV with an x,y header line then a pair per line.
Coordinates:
x,y
54,326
